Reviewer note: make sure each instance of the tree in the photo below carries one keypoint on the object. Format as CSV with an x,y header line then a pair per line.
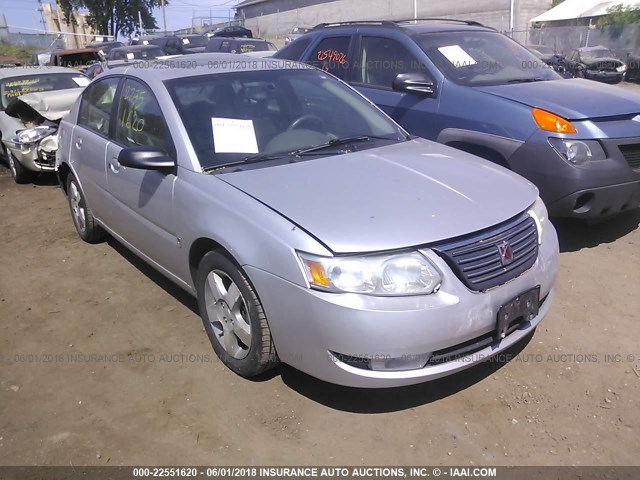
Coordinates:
x,y
113,17
620,15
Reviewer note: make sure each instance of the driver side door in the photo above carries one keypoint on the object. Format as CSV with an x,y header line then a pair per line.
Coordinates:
x,y
142,213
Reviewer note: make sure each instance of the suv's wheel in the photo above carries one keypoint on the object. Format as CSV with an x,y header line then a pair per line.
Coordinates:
x,y
83,220
18,172
233,316
580,73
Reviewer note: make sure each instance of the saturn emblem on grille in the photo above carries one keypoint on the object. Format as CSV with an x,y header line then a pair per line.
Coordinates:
x,y
506,254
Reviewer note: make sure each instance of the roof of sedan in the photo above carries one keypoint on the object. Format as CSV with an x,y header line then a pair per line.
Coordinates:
x,y
34,70
206,63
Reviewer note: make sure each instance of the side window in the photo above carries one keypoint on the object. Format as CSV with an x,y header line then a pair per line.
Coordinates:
x,y
95,108
331,56
382,59
224,46
294,50
140,121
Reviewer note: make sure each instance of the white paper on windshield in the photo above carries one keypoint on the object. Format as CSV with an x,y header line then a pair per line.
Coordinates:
x,y
231,135
186,41
130,56
145,42
99,39
457,56
81,81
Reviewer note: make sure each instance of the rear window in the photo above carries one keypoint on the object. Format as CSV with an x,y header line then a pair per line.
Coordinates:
x,y
137,54
74,60
11,88
246,47
194,41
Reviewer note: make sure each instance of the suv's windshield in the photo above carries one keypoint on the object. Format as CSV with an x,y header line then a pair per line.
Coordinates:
x,y
483,58
75,60
13,87
245,116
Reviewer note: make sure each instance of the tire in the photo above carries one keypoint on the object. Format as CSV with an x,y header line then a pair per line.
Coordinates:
x,y
579,74
239,333
18,172
85,224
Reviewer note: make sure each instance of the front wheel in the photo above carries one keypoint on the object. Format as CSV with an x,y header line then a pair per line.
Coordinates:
x,y
83,220
18,172
233,316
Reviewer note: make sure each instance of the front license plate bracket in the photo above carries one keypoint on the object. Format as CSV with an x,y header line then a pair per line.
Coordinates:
x,y
524,307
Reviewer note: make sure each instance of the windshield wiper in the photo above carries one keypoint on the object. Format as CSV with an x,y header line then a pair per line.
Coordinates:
x,y
526,80
339,141
251,159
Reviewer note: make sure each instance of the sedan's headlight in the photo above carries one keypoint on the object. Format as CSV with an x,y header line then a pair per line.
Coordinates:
x,y
35,134
578,152
538,212
621,68
387,275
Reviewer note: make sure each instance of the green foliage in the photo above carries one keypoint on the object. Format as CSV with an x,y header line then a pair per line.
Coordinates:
x,y
15,53
113,16
620,15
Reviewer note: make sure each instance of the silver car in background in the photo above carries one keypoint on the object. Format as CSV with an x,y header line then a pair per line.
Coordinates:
x,y
312,229
32,102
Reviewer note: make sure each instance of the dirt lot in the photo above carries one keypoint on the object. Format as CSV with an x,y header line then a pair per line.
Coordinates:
x,y
158,395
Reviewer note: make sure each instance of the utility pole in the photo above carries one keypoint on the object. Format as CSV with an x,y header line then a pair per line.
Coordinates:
x,y
140,22
164,18
511,17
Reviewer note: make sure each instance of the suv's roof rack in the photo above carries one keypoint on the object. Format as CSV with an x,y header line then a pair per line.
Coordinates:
x,y
436,19
388,23
398,23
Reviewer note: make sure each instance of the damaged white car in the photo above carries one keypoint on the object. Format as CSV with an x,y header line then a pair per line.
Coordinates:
x,y
33,100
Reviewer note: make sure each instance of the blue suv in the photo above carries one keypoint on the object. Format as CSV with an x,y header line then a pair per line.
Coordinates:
x,y
473,88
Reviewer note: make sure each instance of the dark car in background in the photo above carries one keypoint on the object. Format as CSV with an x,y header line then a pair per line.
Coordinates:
x,y
194,43
547,55
79,59
135,52
476,89
239,45
105,47
296,33
235,31
173,45
633,67
596,63
142,39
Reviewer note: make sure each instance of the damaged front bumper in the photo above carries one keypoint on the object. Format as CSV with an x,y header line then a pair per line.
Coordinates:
x,y
35,148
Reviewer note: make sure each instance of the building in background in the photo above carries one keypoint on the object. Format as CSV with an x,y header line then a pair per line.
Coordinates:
x,y
579,12
74,34
274,18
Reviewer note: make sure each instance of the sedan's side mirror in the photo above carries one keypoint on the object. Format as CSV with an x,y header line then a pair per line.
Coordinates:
x,y
414,83
146,158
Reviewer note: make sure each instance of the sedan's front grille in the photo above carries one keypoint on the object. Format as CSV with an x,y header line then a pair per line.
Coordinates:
x,y
631,154
491,258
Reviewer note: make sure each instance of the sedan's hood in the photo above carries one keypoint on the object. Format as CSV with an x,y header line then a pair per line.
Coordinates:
x,y
573,99
604,63
52,105
403,195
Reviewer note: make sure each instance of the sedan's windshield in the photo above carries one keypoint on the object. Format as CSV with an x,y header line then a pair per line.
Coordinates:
x,y
483,58
596,53
13,87
249,115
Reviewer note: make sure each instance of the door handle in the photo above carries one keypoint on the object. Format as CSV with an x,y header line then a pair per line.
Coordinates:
x,y
78,143
114,165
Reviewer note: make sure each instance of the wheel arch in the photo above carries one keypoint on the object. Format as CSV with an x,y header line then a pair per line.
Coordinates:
x,y
491,147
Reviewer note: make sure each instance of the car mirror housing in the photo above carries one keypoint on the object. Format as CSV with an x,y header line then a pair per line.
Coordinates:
x,y
418,83
146,158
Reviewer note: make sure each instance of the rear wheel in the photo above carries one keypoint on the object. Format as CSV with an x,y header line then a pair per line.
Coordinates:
x,y
18,172
83,220
233,316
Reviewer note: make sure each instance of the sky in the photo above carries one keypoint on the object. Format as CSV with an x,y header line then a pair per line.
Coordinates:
x,y
23,15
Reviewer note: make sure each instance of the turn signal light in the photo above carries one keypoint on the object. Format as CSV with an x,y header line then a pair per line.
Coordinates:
x,y
551,122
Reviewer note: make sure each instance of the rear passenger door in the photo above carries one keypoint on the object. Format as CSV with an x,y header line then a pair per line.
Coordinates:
x,y
333,55
89,142
378,61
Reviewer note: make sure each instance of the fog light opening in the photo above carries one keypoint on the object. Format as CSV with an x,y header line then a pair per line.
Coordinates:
x,y
583,203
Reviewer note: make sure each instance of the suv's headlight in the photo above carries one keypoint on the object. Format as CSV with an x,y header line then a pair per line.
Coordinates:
x,y
387,275
35,134
578,152
538,212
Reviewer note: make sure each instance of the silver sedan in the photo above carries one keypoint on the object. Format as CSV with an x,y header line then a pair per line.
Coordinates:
x,y
312,229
